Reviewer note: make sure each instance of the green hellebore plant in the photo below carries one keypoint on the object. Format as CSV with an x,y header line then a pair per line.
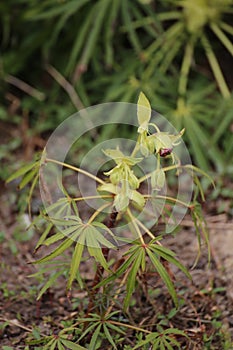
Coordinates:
x,y
95,235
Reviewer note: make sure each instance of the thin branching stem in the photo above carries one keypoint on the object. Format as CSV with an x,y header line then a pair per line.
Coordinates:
x,y
155,126
81,171
78,199
133,219
171,199
135,150
96,213
168,168
150,234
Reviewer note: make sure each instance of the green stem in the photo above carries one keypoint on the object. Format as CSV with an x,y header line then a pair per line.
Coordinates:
x,y
81,171
147,176
135,150
171,199
155,126
150,234
91,197
133,220
96,213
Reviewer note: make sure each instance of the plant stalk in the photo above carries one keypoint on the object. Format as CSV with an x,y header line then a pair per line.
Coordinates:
x,y
100,269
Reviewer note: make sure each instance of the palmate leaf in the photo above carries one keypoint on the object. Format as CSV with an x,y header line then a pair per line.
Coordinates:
x,y
135,261
70,345
169,255
164,275
29,174
89,235
51,345
49,283
61,208
90,328
139,260
119,272
94,337
60,346
28,177
58,251
95,238
108,336
75,262
25,171
199,172
53,239
162,340
43,236
149,338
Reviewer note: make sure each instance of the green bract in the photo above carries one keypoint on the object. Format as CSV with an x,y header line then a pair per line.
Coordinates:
x,y
120,158
122,195
122,172
158,179
143,113
146,144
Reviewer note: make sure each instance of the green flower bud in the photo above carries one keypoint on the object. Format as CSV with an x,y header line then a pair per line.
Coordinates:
x,y
121,202
162,140
107,188
150,144
147,144
138,198
115,176
158,179
133,180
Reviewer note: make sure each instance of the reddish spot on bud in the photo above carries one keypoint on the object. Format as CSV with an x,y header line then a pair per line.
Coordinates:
x,y
163,152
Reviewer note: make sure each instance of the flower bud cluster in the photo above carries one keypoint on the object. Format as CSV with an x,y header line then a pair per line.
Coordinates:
x,y
161,143
123,180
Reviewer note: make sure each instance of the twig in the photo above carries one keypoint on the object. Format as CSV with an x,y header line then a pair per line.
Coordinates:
x,y
24,87
16,323
68,87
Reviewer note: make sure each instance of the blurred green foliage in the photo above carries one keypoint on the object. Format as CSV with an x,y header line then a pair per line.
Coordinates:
x,y
79,53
